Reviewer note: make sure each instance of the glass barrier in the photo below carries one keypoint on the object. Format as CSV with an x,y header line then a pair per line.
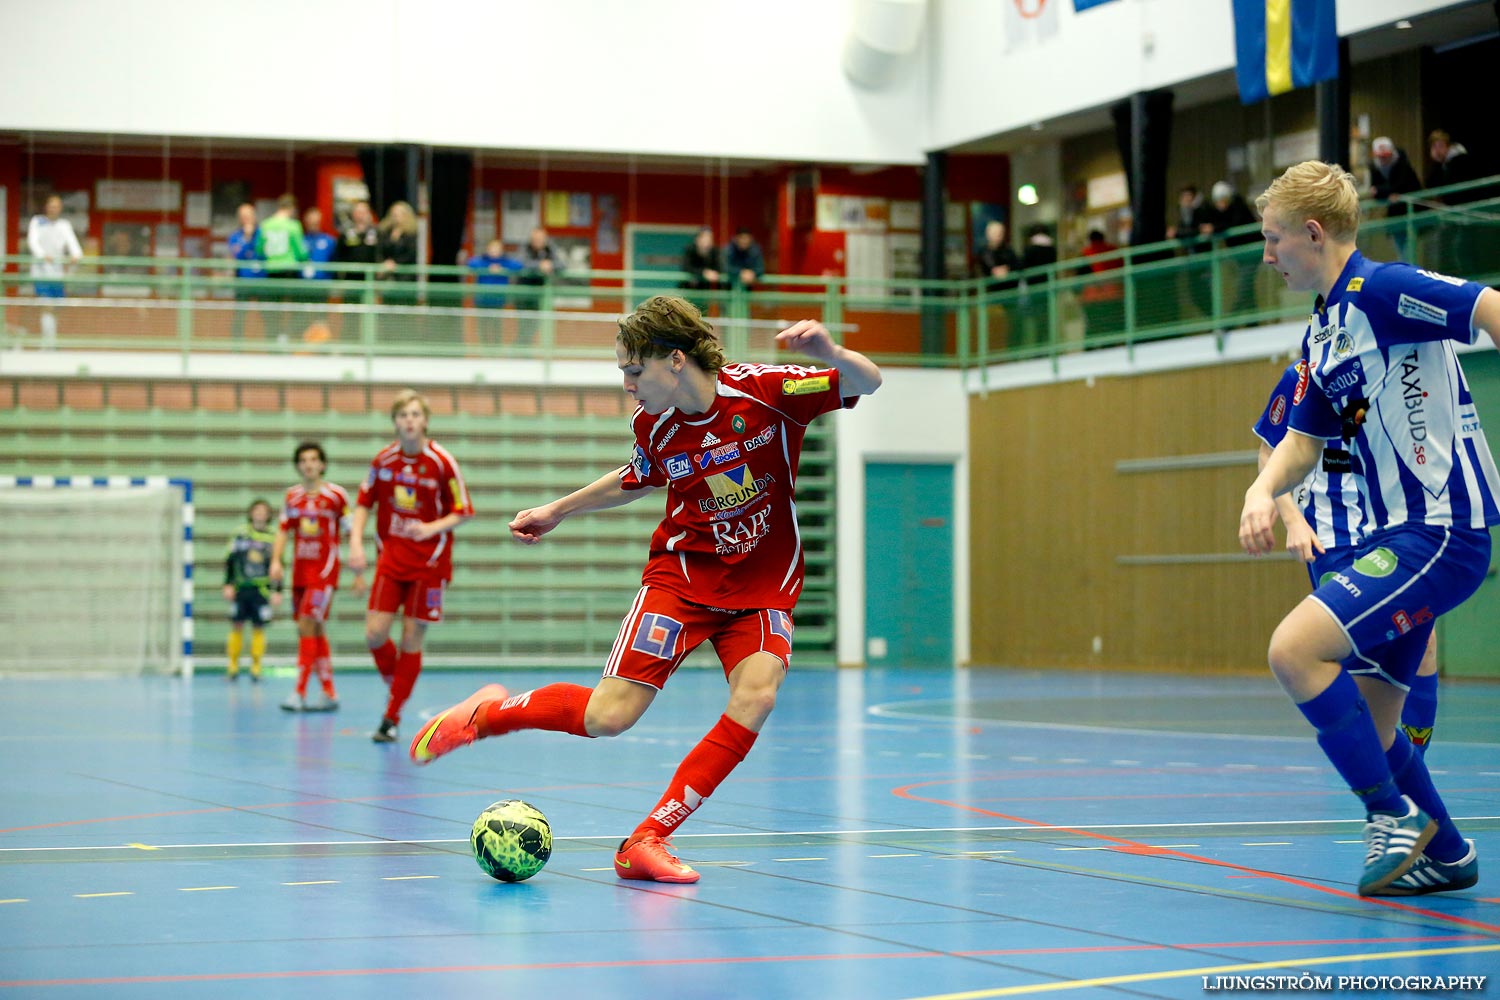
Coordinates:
x,y
360,313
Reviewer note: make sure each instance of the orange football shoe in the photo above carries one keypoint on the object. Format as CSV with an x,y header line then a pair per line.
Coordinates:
x,y
454,728
645,856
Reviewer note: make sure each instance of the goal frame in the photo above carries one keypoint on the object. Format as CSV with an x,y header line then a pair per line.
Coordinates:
x,y
185,486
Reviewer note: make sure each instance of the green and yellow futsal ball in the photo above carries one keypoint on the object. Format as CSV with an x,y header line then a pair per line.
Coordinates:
x,y
512,840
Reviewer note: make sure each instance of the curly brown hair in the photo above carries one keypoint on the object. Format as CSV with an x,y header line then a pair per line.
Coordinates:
x,y
666,323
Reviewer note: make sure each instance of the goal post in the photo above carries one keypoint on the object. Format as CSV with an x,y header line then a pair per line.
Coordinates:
x,y
97,575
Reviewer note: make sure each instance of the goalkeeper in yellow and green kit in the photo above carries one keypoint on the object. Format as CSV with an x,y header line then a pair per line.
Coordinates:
x,y
248,588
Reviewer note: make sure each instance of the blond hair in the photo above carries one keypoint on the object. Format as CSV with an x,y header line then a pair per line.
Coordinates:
x,y
400,218
406,397
1318,192
665,323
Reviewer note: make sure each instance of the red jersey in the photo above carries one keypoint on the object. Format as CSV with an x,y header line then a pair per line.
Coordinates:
x,y
411,490
730,538
315,522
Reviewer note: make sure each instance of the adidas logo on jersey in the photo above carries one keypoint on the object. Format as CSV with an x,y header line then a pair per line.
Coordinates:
x,y
709,440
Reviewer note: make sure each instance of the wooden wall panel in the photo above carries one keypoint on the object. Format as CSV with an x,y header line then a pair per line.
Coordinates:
x,y
1051,514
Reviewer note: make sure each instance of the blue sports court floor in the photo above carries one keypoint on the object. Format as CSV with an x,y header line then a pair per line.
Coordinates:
x,y
895,834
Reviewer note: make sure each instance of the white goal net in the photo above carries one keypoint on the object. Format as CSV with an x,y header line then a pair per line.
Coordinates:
x,y
95,575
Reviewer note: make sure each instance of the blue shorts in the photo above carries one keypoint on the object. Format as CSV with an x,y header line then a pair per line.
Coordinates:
x,y
1387,593
48,289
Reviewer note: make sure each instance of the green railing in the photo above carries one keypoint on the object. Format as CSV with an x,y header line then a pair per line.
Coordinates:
x,y
1121,299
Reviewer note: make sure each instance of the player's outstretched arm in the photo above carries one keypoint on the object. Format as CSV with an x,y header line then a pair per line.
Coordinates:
x,y
1288,465
858,375
531,524
278,549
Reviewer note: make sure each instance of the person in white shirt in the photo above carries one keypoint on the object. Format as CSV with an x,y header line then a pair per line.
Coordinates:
x,y
52,243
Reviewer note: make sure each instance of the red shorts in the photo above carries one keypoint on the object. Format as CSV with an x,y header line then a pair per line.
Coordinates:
x,y
662,629
420,599
312,602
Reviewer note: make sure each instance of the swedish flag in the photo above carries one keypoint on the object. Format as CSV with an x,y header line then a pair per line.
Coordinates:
x,y
1282,44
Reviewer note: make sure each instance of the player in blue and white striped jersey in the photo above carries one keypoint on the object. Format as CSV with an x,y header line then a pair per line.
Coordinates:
x,y
1383,376
1323,516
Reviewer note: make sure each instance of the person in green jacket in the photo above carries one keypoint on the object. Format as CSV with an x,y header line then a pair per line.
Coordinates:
x,y
248,588
280,243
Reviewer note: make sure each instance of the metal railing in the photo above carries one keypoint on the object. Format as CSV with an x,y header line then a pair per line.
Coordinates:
x,y
362,313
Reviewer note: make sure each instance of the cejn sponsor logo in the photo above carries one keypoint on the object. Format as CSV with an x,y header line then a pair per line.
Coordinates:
x,y
678,466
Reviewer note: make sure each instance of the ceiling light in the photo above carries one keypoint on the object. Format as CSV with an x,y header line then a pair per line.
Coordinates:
x,y
1026,194
1403,25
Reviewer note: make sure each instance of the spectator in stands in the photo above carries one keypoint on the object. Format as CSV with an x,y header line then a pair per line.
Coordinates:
x,y
1192,216
491,268
744,260
1190,229
53,246
1037,259
540,263
1227,213
242,243
249,589
703,262
995,260
421,497
1454,241
360,242
321,248
1450,164
398,249
280,244
1391,176
1103,300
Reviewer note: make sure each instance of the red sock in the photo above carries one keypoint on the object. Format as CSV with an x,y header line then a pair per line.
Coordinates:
x,y
556,707
408,666
385,660
323,664
699,774
307,652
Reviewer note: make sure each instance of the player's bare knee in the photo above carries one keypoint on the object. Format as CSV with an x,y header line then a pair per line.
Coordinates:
x,y
753,702
608,719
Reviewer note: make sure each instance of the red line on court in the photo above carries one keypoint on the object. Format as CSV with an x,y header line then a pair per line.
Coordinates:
x,y
904,792
714,960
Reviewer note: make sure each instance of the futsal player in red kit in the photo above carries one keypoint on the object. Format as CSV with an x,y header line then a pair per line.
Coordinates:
x,y
725,564
421,497
314,516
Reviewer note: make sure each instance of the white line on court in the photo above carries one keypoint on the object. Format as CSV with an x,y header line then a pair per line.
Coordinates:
x,y
615,837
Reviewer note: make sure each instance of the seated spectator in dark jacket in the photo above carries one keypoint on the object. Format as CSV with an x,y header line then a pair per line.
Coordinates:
x,y
744,261
1391,177
703,262
995,259
1229,212
1039,254
1192,216
1451,164
1391,174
